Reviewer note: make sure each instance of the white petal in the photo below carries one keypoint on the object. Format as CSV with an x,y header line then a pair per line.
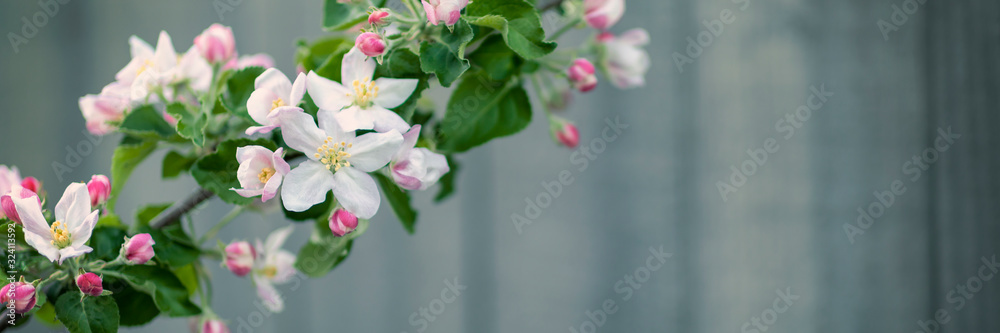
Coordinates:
x,y
268,294
274,241
393,92
259,105
356,66
436,165
31,216
274,80
330,124
165,57
298,90
139,48
284,264
354,118
300,132
386,120
42,245
357,192
74,205
81,234
306,186
73,251
635,37
373,151
328,95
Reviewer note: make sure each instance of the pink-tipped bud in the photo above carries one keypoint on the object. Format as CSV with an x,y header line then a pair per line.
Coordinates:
x,y
605,37
582,75
379,17
90,284
567,135
240,257
602,14
100,188
32,184
216,44
371,44
7,202
138,249
22,294
342,222
447,11
214,326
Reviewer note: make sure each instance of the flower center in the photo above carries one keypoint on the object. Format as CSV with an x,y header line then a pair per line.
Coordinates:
x,y
147,64
265,174
333,154
60,235
277,104
269,272
365,92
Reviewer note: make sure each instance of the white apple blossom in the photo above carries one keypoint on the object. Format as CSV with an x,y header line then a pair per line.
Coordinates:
x,y
417,168
360,103
338,162
273,93
273,265
68,235
625,61
260,172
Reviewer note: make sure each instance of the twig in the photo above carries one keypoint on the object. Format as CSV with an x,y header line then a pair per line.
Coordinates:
x,y
173,215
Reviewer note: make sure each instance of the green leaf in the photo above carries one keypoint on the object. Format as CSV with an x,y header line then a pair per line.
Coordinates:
x,y
87,314
174,164
146,213
480,110
314,212
339,16
401,63
217,172
169,293
496,59
189,277
400,202
446,58
145,122
190,123
241,85
517,21
110,220
312,56
134,306
47,315
127,156
324,252
448,180
331,67
107,242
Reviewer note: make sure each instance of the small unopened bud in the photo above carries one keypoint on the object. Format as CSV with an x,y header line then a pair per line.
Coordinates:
x,y
214,326
100,188
582,75
21,293
379,17
216,44
32,184
371,44
566,134
138,249
342,222
240,257
7,202
90,284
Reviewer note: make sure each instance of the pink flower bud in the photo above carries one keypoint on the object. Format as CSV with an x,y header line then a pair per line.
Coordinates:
x,y
581,74
32,184
7,202
100,188
216,43
21,293
447,11
138,249
90,284
602,14
214,326
567,134
342,222
378,17
370,43
240,257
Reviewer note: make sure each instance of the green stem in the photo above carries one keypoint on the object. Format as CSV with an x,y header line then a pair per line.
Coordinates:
x,y
564,29
541,96
222,223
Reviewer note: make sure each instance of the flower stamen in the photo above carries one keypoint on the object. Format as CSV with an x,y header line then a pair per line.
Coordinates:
x,y
147,64
60,235
333,154
278,103
265,174
365,92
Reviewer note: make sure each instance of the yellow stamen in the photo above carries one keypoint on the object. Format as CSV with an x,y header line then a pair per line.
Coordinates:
x,y
277,104
365,92
60,235
269,272
333,154
265,174
147,64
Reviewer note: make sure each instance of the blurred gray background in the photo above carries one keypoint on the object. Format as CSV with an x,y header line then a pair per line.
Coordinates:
x,y
654,186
